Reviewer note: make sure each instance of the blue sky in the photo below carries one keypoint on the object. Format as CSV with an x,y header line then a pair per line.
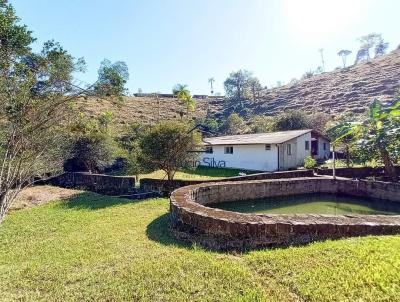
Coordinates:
x,y
165,42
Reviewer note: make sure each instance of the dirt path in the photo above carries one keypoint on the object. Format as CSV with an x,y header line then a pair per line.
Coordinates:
x,y
37,195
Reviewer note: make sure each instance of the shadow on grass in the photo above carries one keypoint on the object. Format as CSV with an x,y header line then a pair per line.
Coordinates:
x,y
93,201
158,230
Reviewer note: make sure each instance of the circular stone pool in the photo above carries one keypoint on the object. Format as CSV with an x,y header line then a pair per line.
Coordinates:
x,y
316,203
198,212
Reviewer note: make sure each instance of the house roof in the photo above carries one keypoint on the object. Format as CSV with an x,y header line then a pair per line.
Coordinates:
x,y
257,138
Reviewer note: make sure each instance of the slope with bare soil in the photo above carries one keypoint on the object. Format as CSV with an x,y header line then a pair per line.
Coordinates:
x,y
348,90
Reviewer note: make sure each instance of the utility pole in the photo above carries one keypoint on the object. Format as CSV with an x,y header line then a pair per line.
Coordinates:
x,y
321,50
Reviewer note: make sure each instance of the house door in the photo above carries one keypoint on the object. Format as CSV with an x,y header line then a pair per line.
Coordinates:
x,y
314,147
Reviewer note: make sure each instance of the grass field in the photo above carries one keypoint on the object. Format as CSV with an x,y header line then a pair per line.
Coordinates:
x,y
199,173
106,249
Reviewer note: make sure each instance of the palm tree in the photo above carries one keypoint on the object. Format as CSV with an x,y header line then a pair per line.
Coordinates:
x,y
211,81
183,94
190,104
344,53
180,91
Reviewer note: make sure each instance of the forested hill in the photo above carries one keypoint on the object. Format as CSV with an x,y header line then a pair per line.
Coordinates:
x,y
344,90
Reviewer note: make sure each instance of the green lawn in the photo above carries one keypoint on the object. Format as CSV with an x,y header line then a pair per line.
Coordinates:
x,y
199,173
106,249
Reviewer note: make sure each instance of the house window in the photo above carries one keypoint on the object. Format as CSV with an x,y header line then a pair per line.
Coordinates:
x,y
209,150
307,145
289,149
229,150
268,147
325,146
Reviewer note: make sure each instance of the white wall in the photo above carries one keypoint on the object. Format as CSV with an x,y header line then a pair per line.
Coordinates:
x,y
251,157
301,148
299,152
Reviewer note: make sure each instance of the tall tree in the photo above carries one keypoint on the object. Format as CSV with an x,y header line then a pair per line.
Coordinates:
x,y
183,94
366,43
112,78
35,99
381,48
180,91
321,51
255,88
237,85
343,54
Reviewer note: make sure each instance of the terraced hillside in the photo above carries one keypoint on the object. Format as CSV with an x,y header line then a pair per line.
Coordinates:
x,y
345,90
147,110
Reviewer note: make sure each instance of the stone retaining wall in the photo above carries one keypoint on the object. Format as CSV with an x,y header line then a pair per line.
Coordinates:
x,y
166,187
99,183
359,172
217,229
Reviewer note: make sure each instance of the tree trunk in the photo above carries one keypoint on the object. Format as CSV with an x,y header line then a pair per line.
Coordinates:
x,y
390,170
3,207
347,156
170,175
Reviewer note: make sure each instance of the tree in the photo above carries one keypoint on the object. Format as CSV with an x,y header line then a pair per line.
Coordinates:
x,y
211,81
345,143
91,147
35,106
296,119
233,125
321,51
379,132
261,123
169,146
129,144
307,75
255,88
366,43
92,152
180,91
381,48
343,54
237,85
15,39
112,78
183,94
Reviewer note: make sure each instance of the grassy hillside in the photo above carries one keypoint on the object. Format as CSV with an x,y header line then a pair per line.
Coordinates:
x,y
345,90
106,249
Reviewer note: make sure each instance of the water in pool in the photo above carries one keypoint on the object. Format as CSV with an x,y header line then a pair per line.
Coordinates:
x,y
313,204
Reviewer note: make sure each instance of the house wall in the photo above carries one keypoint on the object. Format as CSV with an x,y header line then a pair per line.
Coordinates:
x,y
251,157
301,148
299,152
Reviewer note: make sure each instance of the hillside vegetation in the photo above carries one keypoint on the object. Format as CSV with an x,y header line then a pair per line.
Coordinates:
x,y
347,90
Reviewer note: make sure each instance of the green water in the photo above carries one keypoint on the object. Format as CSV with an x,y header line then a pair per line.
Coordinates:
x,y
313,204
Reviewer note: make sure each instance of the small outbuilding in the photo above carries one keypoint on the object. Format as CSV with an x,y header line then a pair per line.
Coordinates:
x,y
275,151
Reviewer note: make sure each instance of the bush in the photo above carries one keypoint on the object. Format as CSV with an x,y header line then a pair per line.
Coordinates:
x,y
310,163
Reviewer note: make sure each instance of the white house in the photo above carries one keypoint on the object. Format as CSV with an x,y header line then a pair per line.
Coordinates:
x,y
265,151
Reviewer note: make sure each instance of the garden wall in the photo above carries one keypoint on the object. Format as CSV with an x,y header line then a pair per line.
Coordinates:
x,y
212,228
166,187
359,172
99,183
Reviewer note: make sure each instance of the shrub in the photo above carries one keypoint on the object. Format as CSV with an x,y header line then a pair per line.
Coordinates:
x,y
310,163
